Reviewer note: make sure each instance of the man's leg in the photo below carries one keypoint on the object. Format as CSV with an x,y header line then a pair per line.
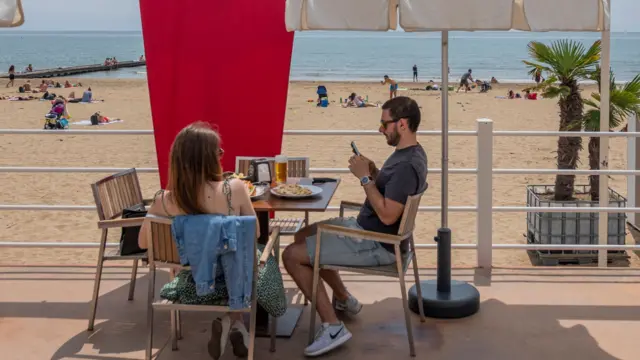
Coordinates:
x,y
331,277
296,261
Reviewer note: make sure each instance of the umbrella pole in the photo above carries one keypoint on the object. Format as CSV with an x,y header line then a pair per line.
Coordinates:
x,y
444,298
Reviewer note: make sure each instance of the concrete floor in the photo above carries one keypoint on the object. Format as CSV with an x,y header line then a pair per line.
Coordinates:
x,y
528,313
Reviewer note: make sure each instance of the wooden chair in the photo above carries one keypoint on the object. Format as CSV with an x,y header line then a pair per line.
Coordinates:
x,y
397,270
162,252
296,167
112,195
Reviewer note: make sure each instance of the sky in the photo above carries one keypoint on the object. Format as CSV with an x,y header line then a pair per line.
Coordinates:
x,y
124,15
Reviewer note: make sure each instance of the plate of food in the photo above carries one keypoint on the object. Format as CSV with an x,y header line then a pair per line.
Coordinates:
x,y
295,191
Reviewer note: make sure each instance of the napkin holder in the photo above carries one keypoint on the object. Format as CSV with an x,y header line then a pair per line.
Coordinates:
x,y
260,171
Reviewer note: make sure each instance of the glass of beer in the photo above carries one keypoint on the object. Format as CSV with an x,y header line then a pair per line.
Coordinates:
x,y
281,169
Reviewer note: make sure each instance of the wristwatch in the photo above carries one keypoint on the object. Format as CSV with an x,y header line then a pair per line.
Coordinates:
x,y
365,180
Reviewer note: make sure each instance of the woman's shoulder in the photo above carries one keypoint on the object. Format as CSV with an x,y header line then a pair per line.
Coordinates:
x,y
237,185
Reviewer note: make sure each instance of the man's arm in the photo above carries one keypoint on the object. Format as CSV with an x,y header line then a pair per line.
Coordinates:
x,y
390,207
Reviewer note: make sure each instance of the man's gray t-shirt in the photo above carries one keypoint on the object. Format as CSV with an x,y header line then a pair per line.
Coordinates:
x,y
403,174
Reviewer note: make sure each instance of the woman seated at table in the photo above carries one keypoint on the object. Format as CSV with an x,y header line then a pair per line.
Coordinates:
x,y
197,187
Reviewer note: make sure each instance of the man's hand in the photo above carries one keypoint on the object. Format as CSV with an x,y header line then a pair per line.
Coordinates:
x,y
360,166
373,170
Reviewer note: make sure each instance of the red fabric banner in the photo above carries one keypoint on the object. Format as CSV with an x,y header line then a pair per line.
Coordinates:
x,y
224,62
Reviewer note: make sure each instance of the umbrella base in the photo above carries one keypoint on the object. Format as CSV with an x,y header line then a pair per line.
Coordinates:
x,y
463,300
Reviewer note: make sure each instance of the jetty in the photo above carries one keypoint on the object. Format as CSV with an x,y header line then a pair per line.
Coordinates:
x,y
74,70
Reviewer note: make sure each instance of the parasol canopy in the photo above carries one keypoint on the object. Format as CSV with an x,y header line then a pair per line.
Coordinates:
x,y
446,15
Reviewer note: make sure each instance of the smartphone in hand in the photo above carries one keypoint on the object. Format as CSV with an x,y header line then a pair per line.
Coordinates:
x,y
355,148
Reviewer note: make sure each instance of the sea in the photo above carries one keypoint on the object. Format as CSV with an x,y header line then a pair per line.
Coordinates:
x,y
331,56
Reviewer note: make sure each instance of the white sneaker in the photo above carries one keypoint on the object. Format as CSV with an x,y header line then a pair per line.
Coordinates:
x,y
328,338
351,306
219,336
239,337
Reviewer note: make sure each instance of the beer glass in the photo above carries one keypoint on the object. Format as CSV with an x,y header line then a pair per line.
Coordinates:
x,y
281,169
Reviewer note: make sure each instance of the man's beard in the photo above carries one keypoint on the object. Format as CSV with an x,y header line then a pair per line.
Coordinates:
x,y
393,138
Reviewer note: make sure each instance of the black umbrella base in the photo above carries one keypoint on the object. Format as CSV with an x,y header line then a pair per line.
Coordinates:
x,y
463,300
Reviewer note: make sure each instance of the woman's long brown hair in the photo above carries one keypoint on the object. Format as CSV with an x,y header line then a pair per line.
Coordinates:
x,y
194,160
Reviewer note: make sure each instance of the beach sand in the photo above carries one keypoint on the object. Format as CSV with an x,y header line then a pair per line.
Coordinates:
x,y
128,100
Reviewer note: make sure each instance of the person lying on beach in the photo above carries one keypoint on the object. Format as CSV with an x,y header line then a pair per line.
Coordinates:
x,y
357,101
464,81
393,86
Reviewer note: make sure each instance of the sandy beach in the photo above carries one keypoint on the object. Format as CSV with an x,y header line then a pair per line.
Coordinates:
x,y
128,100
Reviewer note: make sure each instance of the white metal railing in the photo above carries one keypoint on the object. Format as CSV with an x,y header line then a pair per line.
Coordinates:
x,y
484,179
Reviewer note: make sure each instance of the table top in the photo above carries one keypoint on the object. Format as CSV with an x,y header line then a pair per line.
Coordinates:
x,y
318,203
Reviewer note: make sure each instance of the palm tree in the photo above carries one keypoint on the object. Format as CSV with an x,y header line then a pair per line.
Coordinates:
x,y
566,62
624,101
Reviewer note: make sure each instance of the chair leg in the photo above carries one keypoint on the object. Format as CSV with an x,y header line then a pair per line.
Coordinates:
x,y
96,283
134,275
405,304
179,323
254,307
416,276
273,331
274,320
174,330
150,297
314,288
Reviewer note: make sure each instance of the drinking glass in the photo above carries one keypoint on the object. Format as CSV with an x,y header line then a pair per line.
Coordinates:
x,y
281,169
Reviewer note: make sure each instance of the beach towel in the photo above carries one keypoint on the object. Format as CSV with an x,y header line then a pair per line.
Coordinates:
x,y
88,122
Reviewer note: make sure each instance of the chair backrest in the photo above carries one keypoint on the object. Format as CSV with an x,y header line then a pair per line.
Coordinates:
x,y
116,192
161,247
296,166
408,222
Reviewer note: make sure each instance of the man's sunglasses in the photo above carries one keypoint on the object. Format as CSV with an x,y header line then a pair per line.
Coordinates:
x,y
384,123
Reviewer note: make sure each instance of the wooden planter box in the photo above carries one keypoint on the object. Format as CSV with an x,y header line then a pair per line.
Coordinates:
x,y
572,228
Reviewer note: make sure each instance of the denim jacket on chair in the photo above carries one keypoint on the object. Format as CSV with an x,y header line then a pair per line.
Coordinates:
x,y
207,241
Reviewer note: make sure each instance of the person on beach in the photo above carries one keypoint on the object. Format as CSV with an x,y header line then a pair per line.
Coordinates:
x,y
464,81
12,76
387,189
357,101
393,86
537,76
415,73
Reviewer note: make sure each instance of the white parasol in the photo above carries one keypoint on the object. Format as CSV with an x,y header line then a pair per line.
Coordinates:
x,y
11,14
464,15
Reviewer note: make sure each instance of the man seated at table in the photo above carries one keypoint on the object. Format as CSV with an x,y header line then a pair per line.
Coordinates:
x,y
403,174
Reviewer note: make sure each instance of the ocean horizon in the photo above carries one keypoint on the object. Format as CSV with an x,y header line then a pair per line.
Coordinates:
x,y
330,56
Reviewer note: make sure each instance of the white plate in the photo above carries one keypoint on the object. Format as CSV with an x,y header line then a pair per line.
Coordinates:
x,y
314,191
260,190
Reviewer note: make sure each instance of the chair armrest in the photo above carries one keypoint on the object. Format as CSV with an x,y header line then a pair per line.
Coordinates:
x,y
362,234
120,223
349,205
273,239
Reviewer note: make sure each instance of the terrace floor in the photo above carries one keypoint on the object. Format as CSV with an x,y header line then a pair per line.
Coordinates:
x,y
526,313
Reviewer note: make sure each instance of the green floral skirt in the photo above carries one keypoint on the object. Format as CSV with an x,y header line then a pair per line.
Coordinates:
x,y
270,289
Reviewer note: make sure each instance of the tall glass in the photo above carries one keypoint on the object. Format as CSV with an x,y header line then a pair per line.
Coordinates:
x,y
281,169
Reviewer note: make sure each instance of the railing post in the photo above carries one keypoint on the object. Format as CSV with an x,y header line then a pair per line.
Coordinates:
x,y
484,180
633,181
